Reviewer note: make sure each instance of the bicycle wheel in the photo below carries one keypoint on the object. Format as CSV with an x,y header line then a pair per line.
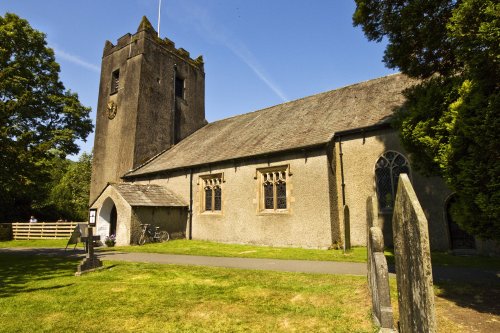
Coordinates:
x,y
164,236
142,239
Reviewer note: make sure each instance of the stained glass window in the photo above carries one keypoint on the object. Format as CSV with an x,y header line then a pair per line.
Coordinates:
x,y
212,193
274,190
268,196
217,198
281,195
387,170
208,198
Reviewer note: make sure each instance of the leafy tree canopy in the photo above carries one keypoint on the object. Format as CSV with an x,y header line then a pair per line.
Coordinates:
x,y
39,118
450,121
70,196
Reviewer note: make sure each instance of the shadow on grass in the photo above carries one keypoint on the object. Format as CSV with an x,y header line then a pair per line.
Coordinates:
x,y
481,297
468,284
18,271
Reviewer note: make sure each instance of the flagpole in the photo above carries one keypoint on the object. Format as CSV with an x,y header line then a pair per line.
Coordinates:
x,y
159,12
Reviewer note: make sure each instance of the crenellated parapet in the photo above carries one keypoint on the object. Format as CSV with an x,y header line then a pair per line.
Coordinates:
x,y
146,31
151,96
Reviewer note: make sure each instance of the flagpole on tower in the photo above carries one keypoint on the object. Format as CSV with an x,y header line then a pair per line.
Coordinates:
x,y
159,16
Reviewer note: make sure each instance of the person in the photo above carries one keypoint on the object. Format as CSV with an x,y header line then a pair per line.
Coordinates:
x,y
33,219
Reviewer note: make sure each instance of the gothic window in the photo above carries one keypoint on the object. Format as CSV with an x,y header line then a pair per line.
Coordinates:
x,y
387,170
273,189
212,193
115,81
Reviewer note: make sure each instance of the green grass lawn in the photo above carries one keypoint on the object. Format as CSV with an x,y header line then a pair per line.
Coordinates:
x,y
36,243
41,294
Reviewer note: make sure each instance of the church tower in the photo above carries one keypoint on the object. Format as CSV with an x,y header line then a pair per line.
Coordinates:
x,y
151,96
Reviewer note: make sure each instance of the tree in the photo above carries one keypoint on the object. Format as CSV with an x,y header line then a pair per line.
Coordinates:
x,y
39,118
450,120
70,196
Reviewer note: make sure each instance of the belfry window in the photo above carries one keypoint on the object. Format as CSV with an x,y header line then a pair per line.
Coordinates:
x,y
212,193
387,170
115,81
273,189
179,87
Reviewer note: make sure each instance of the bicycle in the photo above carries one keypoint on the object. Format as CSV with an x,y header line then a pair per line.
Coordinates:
x,y
152,234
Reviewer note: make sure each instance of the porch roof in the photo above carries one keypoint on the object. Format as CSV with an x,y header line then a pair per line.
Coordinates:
x,y
148,195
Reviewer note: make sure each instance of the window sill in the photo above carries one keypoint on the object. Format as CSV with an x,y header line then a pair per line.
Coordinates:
x,y
274,212
211,213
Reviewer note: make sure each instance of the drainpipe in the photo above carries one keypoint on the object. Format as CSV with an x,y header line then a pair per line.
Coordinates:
x,y
174,99
342,170
190,212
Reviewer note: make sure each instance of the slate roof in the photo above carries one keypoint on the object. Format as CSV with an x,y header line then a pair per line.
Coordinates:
x,y
304,122
148,195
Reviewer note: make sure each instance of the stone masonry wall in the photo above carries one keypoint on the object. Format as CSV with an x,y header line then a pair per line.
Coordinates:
x,y
360,153
306,223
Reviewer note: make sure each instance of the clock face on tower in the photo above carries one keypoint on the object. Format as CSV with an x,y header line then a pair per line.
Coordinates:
x,y
112,108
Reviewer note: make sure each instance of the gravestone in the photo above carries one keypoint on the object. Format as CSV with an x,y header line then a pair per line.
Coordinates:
x,y
347,229
371,221
413,262
75,237
378,280
91,262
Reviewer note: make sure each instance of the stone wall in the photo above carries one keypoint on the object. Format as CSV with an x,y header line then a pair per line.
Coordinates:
x,y
360,152
413,262
306,222
171,219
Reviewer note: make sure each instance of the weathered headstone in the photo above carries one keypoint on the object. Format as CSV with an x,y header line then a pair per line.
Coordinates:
x,y
413,262
371,221
91,262
347,229
378,280
75,237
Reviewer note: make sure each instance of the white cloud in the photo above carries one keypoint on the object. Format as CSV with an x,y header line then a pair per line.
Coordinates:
x,y
76,60
203,22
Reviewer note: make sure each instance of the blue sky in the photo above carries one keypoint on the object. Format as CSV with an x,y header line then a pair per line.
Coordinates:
x,y
257,53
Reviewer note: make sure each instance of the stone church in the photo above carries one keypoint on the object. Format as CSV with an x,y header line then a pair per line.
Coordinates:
x,y
281,176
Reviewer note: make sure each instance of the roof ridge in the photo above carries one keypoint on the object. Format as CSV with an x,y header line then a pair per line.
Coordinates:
x,y
315,119
302,98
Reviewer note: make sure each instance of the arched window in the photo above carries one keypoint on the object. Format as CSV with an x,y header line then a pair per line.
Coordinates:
x,y
387,171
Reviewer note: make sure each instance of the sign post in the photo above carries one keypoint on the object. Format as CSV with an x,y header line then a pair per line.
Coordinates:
x,y
90,263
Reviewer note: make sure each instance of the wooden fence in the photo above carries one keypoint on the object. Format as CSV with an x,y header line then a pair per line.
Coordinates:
x,y
43,230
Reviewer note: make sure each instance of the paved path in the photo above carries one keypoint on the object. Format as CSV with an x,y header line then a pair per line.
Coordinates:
x,y
304,266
